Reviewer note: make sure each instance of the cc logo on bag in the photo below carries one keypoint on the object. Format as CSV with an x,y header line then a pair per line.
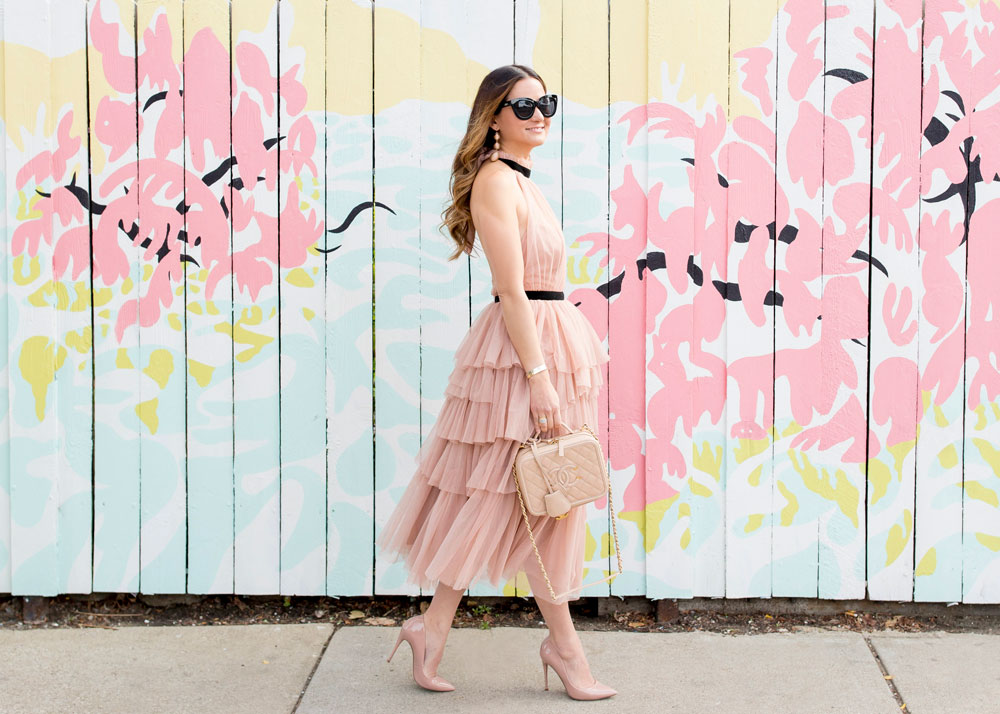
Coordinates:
x,y
562,476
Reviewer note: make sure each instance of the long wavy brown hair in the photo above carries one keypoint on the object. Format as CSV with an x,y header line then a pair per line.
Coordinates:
x,y
477,142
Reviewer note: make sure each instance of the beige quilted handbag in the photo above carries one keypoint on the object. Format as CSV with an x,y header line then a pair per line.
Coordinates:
x,y
554,475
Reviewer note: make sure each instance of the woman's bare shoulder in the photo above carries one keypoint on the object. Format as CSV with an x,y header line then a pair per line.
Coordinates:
x,y
493,180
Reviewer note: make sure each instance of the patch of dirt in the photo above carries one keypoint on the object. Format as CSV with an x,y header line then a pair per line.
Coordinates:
x,y
125,610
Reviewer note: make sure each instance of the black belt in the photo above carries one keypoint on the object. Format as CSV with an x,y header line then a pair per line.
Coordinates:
x,y
540,295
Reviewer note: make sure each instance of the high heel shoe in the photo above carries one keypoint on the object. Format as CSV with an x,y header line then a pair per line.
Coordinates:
x,y
414,633
550,658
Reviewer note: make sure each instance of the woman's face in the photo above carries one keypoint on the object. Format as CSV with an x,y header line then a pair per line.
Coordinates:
x,y
520,136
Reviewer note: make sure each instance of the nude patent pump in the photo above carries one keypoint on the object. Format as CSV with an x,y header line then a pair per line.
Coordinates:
x,y
550,658
414,633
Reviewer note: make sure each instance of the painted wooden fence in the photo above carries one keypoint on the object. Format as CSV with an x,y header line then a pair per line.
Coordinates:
x,y
229,320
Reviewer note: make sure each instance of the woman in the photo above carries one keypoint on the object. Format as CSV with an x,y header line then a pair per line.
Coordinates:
x,y
529,363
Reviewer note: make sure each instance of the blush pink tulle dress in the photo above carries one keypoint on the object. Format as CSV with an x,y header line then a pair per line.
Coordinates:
x,y
459,520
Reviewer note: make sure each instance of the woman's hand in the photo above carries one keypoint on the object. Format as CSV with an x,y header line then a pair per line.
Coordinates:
x,y
544,403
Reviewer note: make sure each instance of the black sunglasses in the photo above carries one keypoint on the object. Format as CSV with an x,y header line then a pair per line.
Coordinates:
x,y
524,107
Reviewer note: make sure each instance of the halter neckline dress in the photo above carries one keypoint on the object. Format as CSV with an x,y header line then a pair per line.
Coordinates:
x,y
458,521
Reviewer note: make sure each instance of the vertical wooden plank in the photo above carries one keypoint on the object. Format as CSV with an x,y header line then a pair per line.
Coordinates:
x,y
625,289
538,30
5,561
162,487
397,267
71,282
750,209
941,328
111,59
981,446
706,486
893,398
584,108
798,268
833,452
301,190
255,309
349,249
35,352
209,298
452,293
670,296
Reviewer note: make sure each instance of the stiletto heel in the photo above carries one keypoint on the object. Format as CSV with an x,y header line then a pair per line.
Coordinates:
x,y
414,633
551,658
398,640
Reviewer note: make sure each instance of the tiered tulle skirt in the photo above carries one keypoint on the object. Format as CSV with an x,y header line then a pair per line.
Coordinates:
x,y
459,520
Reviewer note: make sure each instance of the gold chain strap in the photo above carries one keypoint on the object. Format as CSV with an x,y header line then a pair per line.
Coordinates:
x,y
531,535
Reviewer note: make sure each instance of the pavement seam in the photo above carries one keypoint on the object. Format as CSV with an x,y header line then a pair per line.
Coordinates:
x,y
886,676
305,686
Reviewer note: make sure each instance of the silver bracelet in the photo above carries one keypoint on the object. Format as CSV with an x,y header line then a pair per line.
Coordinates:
x,y
535,370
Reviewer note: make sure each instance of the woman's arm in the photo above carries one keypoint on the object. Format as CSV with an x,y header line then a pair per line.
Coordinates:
x,y
494,213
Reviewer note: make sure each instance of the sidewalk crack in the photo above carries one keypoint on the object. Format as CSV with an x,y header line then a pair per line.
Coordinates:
x,y
305,686
886,676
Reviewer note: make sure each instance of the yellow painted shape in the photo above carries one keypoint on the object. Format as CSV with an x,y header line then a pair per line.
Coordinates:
x,y
746,448
195,307
754,478
590,545
26,204
980,418
105,314
683,510
990,541
146,411
792,428
241,335
996,410
179,290
879,477
989,453
649,520
698,489
754,521
307,313
201,372
707,460
82,301
81,341
194,288
899,453
899,536
299,278
605,545
686,538
976,490
842,491
39,298
174,321
127,285
102,296
927,564
147,272
160,367
791,508
948,456
210,307
939,417
18,274
39,361
925,401
82,365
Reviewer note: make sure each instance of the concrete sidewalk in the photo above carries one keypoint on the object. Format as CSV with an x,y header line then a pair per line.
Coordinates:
x,y
309,669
